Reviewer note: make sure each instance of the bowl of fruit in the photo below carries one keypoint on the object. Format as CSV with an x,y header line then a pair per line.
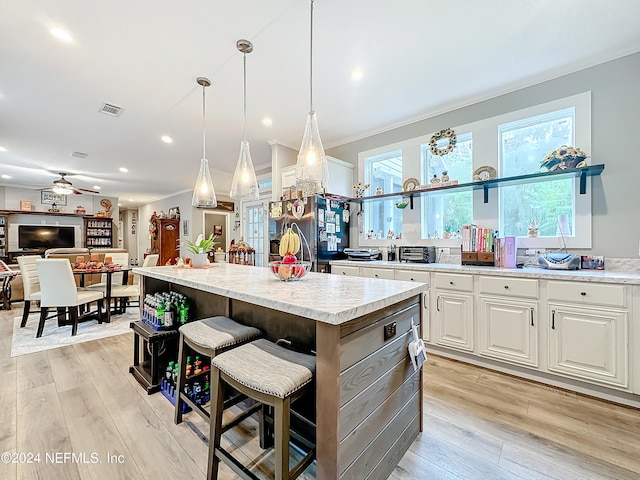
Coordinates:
x,y
290,267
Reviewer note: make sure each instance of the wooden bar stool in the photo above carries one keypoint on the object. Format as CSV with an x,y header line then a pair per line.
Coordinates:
x,y
269,374
208,337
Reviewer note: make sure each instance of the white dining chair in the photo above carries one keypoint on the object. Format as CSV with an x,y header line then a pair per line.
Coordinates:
x,y
58,290
119,258
126,292
30,283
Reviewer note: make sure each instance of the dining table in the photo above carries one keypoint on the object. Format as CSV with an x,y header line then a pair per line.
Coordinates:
x,y
108,271
6,275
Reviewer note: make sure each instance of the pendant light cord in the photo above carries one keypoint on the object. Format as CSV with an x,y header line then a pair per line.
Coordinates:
x,y
311,63
244,60
204,130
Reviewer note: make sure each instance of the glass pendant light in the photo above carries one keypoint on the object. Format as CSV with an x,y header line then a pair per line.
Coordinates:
x,y
204,196
312,171
244,182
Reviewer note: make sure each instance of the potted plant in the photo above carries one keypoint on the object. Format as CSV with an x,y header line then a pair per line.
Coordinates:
x,y
447,231
200,249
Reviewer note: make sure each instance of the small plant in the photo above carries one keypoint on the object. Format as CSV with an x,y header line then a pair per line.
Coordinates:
x,y
448,228
202,245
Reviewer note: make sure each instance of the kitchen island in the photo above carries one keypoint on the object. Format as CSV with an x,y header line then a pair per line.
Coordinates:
x,y
368,397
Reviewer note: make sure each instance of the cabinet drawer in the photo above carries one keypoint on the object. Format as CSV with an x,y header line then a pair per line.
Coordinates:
x,y
454,281
412,276
345,270
587,293
510,287
386,273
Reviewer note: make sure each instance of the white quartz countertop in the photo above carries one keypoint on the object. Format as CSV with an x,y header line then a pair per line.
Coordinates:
x,y
333,299
605,276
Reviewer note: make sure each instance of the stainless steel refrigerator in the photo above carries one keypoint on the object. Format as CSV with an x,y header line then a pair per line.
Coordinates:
x,y
324,222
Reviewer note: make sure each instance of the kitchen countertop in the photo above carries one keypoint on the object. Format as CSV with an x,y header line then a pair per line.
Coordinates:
x,y
603,276
318,296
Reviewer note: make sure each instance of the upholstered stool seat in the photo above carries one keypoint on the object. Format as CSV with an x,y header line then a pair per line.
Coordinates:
x,y
271,375
207,337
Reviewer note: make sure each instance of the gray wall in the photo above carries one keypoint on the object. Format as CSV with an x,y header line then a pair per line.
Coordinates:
x,y
615,100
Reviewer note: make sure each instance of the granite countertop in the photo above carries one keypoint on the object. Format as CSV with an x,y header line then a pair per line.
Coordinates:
x,y
333,299
605,276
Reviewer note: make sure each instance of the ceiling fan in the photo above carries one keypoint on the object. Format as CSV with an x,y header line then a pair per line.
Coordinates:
x,y
62,186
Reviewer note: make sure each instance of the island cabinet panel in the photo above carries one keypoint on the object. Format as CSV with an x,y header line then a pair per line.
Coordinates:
x,y
379,391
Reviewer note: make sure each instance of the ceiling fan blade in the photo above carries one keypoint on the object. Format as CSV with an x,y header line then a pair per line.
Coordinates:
x,y
85,190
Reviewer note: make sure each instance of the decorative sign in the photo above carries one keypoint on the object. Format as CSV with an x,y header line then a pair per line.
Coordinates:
x,y
51,198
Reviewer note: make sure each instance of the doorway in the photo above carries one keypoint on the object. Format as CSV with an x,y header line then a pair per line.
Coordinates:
x,y
218,223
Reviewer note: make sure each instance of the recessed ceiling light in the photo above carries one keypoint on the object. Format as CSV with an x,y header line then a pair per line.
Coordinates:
x,y
61,34
4,175
267,122
356,74
124,170
131,199
97,187
166,139
2,149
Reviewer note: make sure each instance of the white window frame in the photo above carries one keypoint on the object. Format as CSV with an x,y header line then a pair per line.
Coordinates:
x,y
486,150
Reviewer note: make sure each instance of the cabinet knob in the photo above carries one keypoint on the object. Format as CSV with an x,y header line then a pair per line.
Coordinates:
x,y
412,279
344,273
584,294
450,283
506,287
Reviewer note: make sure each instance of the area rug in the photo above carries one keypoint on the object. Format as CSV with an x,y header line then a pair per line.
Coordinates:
x,y
24,340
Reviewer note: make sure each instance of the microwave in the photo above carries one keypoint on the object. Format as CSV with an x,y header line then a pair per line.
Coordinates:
x,y
417,254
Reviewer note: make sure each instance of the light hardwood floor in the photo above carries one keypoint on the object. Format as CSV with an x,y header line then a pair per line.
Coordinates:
x,y
479,424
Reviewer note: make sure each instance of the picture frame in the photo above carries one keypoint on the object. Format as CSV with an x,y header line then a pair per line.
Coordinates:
x,y
217,229
185,228
49,198
25,206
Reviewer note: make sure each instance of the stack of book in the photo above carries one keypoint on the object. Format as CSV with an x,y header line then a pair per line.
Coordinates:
x,y
478,245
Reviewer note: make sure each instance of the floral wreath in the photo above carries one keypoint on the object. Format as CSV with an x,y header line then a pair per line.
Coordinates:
x,y
444,133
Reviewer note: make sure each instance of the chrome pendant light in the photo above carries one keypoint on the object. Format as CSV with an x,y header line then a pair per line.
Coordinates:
x,y
244,182
312,171
204,196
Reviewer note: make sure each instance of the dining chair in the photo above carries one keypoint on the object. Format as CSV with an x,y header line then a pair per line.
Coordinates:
x,y
59,290
119,258
125,292
30,283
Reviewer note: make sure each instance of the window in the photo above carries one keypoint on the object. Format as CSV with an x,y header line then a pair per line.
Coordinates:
x,y
523,144
384,172
447,211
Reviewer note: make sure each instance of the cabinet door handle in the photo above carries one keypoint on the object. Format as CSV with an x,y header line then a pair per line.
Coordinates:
x,y
438,303
584,294
344,273
531,311
425,301
553,319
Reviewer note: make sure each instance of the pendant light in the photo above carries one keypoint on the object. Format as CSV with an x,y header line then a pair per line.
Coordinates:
x,y
244,182
204,196
312,172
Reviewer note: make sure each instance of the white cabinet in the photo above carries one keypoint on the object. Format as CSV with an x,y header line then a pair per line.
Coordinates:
x,y
508,319
588,331
340,177
345,270
453,311
415,276
507,330
589,343
372,272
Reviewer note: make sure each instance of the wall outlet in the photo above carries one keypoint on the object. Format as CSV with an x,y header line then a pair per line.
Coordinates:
x,y
389,330
535,251
444,251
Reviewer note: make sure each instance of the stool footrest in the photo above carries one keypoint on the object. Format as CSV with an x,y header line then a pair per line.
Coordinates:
x,y
242,471
194,406
242,416
302,465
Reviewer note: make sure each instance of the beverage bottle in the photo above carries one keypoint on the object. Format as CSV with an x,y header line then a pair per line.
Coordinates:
x,y
169,372
160,311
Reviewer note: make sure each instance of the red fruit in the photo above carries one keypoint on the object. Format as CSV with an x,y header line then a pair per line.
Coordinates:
x,y
275,267
289,258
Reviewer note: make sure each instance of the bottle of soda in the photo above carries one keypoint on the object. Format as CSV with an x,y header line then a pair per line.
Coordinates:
x,y
160,311
169,372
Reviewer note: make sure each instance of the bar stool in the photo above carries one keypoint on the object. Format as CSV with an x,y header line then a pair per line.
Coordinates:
x,y
271,375
207,337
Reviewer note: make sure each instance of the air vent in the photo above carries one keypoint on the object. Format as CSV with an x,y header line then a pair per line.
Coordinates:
x,y
110,109
79,154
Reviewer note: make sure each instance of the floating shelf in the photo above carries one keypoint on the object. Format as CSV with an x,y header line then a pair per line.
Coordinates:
x,y
485,185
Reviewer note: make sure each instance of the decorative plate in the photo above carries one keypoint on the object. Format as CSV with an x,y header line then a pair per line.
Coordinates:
x,y
410,184
486,172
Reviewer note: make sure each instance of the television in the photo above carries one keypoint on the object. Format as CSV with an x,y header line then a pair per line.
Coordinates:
x,y
41,237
